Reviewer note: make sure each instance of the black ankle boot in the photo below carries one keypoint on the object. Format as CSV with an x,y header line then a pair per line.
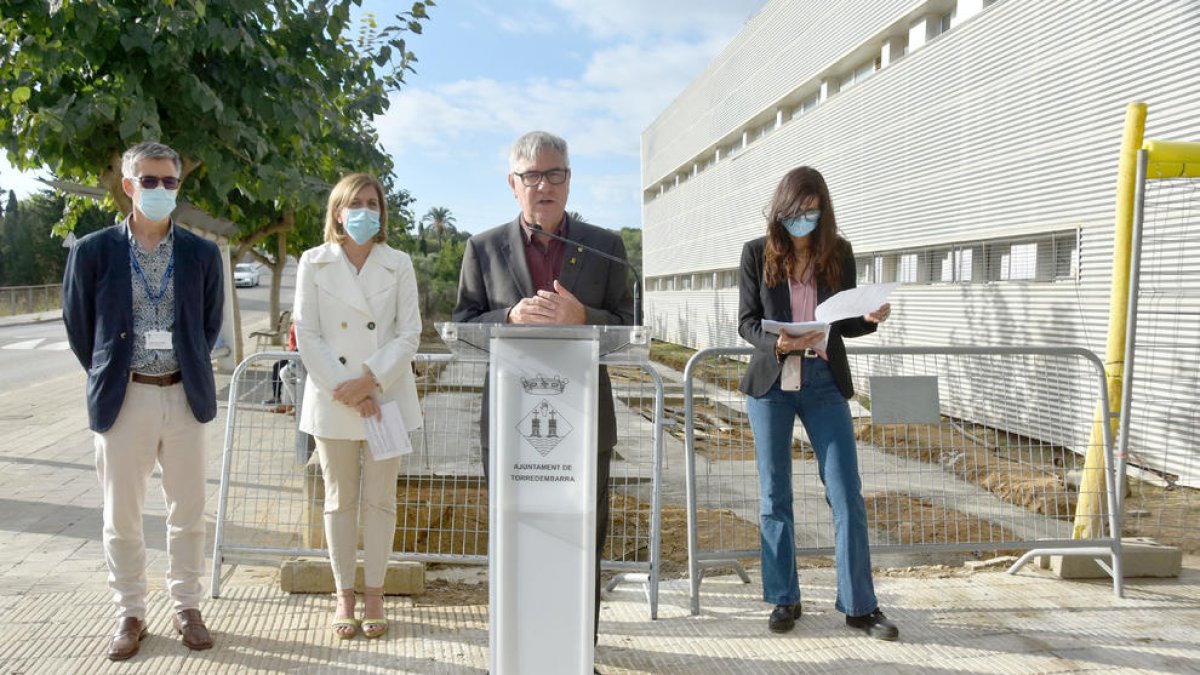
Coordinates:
x,y
874,624
783,618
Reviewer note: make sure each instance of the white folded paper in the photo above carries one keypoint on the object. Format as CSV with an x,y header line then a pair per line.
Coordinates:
x,y
858,301
387,437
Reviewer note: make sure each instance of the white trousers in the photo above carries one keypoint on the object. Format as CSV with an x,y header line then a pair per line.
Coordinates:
x,y
342,464
155,426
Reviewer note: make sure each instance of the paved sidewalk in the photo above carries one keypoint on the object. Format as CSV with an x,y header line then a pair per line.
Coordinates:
x,y
56,610
36,317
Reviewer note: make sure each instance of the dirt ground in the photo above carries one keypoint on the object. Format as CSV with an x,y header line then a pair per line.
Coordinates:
x,y
1169,514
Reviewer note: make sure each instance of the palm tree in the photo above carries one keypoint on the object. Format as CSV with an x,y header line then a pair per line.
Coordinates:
x,y
439,217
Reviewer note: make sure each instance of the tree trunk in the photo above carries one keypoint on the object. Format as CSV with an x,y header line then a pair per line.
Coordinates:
x,y
277,273
110,178
238,346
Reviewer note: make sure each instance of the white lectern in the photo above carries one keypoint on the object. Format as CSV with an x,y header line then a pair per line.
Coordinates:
x,y
543,388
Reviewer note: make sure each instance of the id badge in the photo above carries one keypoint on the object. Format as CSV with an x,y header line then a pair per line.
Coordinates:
x,y
790,379
158,339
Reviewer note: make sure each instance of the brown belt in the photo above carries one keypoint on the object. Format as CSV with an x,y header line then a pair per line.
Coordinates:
x,y
157,380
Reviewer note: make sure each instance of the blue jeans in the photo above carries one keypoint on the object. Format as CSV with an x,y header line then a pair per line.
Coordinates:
x,y
826,416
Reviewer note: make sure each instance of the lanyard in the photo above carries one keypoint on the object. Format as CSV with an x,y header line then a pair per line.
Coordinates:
x,y
137,268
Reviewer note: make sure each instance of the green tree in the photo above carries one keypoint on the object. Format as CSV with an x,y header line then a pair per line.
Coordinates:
x,y
437,267
632,238
10,210
30,255
268,101
439,217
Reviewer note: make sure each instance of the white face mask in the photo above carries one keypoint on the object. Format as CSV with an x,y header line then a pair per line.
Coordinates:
x,y
803,224
361,224
156,204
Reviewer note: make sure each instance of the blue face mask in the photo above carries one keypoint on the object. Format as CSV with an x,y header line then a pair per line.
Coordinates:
x,y
361,224
156,204
803,224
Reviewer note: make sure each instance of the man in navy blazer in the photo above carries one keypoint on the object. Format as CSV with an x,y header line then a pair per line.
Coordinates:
x,y
142,303
515,273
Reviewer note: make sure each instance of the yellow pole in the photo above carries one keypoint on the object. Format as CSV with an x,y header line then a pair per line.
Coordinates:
x,y
1089,509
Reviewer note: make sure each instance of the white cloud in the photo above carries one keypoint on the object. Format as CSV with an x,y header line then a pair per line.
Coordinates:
x,y
640,19
636,58
602,112
518,19
607,199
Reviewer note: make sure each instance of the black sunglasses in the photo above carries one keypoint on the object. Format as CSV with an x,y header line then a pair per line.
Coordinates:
x,y
151,182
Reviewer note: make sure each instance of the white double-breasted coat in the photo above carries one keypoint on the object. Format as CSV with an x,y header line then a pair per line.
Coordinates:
x,y
344,323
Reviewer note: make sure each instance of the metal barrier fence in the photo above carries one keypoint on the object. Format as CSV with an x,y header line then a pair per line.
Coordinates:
x,y
1160,414
29,299
986,468
271,496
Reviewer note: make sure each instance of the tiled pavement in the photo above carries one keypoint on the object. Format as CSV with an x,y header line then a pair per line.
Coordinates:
x,y
56,615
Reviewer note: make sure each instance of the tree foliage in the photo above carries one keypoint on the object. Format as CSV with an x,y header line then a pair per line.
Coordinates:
x,y
439,217
29,255
632,238
268,101
437,253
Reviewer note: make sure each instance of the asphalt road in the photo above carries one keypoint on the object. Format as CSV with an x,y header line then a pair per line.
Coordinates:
x,y
35,352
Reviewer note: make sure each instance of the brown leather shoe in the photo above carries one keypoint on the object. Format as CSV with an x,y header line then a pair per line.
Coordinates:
x,y
127,638
188,623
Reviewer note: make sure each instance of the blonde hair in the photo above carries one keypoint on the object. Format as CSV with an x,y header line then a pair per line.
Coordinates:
x,y
340,197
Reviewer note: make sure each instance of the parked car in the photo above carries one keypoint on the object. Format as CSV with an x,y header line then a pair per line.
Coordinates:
x,y
245,274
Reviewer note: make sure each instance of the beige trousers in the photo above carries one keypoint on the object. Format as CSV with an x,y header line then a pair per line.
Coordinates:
x,y
342,464
155,426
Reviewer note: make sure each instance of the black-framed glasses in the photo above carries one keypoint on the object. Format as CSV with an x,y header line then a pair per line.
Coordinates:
x,y
552,176
151,182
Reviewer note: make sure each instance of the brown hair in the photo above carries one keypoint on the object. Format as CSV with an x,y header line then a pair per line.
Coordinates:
x,y
824,255
343,193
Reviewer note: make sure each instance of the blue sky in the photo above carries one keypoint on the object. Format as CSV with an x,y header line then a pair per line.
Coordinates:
x,y
596,73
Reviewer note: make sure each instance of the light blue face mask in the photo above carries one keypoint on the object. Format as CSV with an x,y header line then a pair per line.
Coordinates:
x,y
361,224
803,224
156,204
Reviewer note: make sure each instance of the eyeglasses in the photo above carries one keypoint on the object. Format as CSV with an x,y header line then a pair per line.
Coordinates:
x,y
553,177
151,182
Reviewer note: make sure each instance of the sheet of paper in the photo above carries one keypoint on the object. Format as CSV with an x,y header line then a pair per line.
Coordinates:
x,y
797,328
387,436
854,302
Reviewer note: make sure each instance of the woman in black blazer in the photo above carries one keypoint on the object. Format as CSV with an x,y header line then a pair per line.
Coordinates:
x,y
799,263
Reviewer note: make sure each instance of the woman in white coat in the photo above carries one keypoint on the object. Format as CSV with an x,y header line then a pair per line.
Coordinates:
x,y
358,328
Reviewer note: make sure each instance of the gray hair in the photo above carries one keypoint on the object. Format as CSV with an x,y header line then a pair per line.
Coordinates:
x,y
147,150
528,147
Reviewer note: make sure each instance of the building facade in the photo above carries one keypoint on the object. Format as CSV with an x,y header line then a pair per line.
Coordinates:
x,y
971,150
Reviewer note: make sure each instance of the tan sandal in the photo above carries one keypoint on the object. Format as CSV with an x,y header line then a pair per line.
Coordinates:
x,y
373,627
342,626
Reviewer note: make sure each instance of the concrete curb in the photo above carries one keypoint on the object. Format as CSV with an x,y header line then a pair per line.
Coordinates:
x,y
26,319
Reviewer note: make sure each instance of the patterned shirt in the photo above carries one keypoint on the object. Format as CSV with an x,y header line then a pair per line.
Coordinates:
x,y
150,314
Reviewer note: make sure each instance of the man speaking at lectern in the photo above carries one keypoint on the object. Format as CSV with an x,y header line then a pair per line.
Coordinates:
x,y
517,273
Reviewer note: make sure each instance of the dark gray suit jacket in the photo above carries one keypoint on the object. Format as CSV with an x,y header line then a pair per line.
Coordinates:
x,y
98,312
758,302
495,277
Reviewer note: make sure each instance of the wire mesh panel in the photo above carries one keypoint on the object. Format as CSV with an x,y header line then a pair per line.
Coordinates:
x,y
635,480
272,494
989,468
442,502
267,492
1163,400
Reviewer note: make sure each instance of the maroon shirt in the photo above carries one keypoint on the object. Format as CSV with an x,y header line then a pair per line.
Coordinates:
x,y
545,263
